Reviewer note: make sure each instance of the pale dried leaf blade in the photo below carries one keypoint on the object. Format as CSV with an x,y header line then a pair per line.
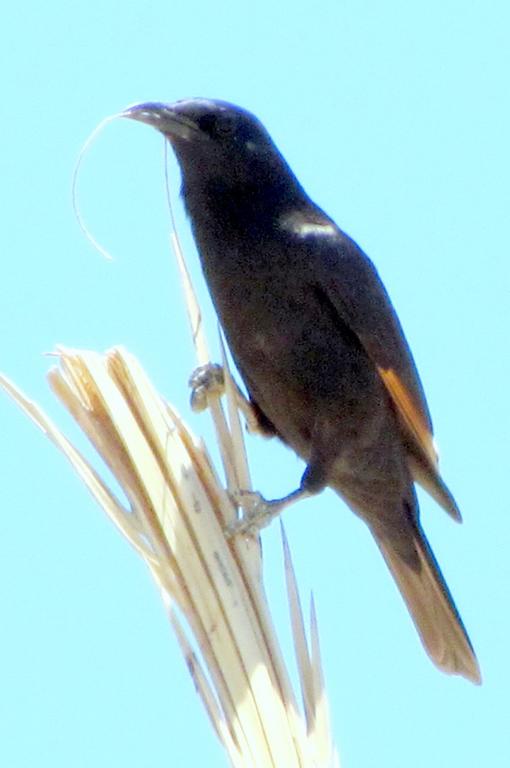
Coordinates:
x,y
192,305
225,443
299,634
236,431
99,490
322,735
199,342
117,434
203,687
93,400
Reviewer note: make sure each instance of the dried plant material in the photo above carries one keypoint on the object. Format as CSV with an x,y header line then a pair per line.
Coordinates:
x,y
74,185
176,517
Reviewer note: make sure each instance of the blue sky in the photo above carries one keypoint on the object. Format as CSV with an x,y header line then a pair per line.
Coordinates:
x,y
395,117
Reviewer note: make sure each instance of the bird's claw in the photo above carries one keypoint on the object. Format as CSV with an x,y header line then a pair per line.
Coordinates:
x,y
205,381
257,513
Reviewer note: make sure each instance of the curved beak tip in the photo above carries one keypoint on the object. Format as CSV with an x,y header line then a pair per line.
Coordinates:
x,y
150,112
166,119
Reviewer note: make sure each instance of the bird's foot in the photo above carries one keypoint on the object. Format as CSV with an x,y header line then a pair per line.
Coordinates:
x,y
205,382
209,381
259,512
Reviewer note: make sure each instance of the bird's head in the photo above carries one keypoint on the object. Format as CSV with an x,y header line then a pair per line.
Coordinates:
x,y
215,140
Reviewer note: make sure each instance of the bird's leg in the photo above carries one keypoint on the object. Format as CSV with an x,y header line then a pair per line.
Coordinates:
x,y
259,512
209,380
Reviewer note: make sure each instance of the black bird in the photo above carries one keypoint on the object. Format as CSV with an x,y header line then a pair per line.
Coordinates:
x,y
318,345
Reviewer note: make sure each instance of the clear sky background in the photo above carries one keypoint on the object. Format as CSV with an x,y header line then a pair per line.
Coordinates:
x,y
395,116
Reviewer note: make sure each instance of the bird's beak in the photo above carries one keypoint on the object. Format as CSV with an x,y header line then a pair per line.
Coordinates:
x,y
165,118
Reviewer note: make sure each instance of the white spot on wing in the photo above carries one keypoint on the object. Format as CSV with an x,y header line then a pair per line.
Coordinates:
x,y
307,228
303,228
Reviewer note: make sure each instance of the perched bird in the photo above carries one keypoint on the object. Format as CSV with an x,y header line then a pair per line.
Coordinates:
x,y
318,345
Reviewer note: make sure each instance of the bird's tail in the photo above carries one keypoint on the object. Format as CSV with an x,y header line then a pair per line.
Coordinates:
x,y
431,606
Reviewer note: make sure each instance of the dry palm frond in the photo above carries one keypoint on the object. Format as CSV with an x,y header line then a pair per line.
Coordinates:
x,y
176,517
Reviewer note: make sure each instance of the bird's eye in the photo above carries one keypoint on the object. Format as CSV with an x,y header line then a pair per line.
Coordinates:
x,y
217,125
224,125
207,124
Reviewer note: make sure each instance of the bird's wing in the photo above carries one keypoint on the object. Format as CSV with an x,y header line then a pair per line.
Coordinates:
x,y
348,280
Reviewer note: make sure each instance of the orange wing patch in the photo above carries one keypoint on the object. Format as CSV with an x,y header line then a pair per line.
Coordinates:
x,y
410,415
